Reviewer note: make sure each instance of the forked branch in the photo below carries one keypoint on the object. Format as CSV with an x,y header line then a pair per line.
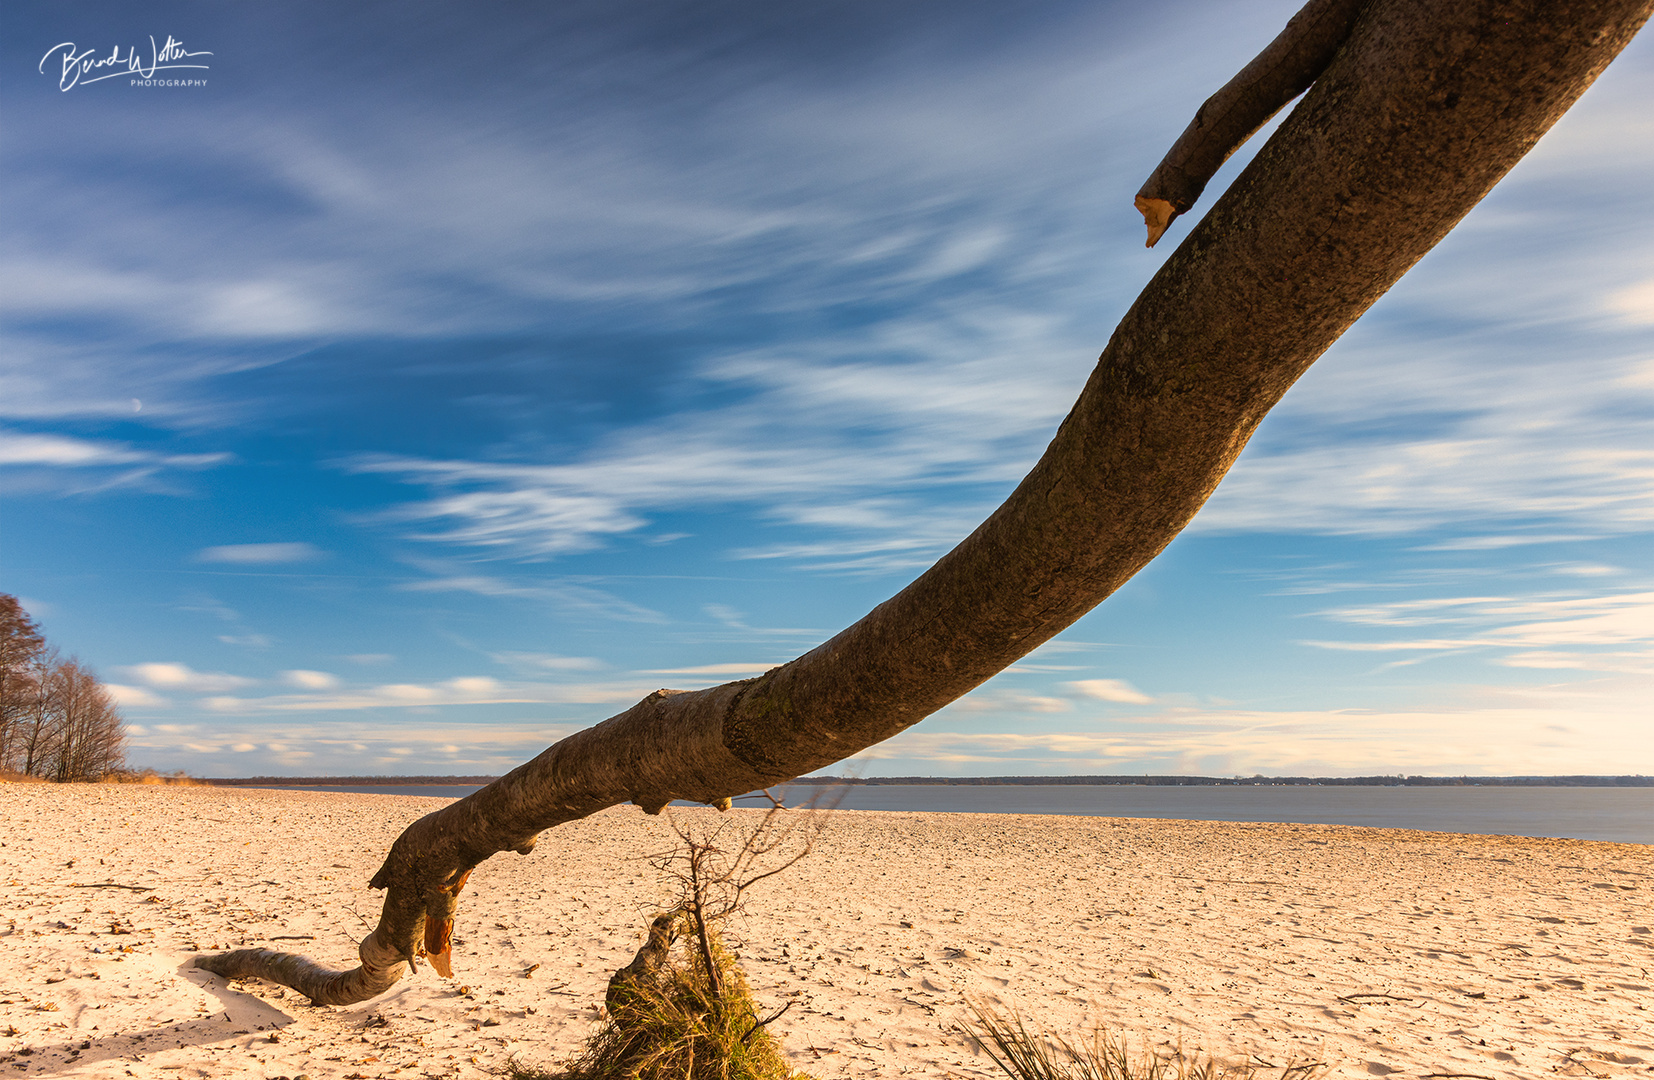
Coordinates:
x,y
1420,111
1285,69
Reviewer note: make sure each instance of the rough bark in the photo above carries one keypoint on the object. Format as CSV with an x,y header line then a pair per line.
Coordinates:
x,y
1285,69
378,972
1426,105
646,967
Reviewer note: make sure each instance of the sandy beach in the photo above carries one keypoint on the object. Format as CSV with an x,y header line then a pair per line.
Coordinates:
x,y
1379,952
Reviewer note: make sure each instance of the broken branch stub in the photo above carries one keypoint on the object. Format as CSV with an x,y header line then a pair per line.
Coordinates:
x,y
1286,68
1423,109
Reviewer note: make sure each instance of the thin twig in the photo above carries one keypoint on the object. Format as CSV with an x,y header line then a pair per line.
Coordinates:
x,y
1224,881
294,937
114,885
774,802
760,1023
1351,998
1476,1076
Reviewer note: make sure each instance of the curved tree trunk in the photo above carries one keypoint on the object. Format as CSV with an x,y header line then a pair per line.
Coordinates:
x,y
1420,111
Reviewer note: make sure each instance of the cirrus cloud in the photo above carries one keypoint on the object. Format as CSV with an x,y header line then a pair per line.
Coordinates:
x,y
260,554
1110,690
174,676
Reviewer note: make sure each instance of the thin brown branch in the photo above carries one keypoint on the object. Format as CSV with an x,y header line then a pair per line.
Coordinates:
x,y
114,885
770,1019
1356,999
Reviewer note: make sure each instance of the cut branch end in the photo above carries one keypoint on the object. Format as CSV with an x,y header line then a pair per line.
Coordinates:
x,y
1158,215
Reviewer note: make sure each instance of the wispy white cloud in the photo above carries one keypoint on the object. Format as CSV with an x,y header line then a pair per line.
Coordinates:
x,y
134,697
1401,487
264,745
310,680
567,595
1500,542
261,554
1634,304
732,669
956,385
1578,728
550,661
1612,632
1433,644
464,690
1003,701
809,439
247,641
1110,690
175,676
67,464
420,227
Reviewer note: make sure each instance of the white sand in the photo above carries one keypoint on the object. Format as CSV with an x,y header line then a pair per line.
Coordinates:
x,y
1381,952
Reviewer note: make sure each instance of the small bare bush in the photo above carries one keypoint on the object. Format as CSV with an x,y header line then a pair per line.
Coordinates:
x,y
681,1009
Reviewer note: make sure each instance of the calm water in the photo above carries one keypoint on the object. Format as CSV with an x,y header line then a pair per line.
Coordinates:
x,y
442,791
1625,815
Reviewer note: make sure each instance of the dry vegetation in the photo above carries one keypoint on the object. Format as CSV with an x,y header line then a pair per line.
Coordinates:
x,y
1024,1054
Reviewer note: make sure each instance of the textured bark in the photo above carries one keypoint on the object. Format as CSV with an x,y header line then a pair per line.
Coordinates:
x,y
646,967
378,972
1423,109
1285,69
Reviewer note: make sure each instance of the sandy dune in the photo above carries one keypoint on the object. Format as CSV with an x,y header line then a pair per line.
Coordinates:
x,y
1380,952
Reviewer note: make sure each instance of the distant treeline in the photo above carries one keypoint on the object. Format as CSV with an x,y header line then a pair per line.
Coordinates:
x,y
1030,781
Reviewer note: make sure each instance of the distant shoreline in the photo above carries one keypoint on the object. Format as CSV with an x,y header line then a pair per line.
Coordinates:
x,y
1017,781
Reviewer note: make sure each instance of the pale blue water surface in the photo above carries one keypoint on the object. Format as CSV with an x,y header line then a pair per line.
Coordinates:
x,y
1624,815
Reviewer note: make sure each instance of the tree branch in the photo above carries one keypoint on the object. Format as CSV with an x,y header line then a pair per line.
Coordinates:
x,y
1424,108
1285,69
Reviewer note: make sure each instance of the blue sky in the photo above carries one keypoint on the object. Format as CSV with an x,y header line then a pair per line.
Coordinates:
x,y
440,378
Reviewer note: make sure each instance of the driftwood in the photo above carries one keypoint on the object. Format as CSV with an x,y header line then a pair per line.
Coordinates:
x,y
1424,106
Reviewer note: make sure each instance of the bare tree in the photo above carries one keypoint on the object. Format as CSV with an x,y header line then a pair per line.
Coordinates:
x,y
90,740
713,869
690,1014
1417,108
56,719
21,642
40,727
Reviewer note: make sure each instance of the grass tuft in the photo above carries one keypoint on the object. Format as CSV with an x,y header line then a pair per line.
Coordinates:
x,y
671,1026
1025,1054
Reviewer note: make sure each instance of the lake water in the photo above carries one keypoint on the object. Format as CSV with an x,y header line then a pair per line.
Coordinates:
x,y
1625,815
